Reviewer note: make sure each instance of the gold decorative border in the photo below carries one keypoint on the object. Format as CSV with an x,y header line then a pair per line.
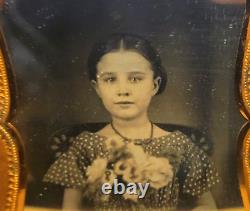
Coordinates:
x,y
4,90
244,165
12,171
244,137
11,166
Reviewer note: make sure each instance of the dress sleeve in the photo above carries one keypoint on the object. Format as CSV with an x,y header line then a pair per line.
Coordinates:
x,y
69,169
198,171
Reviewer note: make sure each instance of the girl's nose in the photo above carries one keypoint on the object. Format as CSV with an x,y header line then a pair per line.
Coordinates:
x,y
123,89
123,94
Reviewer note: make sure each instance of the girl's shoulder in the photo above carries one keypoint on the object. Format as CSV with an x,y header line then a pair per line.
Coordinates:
x,y
176,142
86,139
105,132
172,136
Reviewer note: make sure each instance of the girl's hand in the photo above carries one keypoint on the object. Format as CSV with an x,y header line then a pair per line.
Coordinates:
x,y
72,199
206,203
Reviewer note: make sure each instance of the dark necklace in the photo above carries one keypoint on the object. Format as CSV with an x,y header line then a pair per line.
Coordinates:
x,y
129,139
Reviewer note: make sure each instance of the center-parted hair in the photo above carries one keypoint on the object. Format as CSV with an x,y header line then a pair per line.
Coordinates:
x,y
130,42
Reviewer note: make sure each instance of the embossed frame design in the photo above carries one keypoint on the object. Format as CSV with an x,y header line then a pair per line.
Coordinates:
x,y
244,97
12,170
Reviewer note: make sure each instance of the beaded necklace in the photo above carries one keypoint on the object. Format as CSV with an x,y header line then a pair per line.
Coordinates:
x,y
126,139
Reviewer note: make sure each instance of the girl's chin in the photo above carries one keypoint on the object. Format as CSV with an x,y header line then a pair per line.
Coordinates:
x,y
126,116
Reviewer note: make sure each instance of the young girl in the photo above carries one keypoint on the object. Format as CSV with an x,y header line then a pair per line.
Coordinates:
x,y
126,73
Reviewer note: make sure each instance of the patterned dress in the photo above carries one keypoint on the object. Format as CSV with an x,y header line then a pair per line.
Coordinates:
x,y
194,173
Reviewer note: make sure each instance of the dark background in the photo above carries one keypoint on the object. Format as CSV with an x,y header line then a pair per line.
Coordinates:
x,y
49,42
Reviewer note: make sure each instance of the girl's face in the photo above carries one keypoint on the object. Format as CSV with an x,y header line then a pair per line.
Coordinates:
x,y
125,84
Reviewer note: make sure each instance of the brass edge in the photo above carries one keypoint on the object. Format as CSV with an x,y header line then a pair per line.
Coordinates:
x,y
246,167
4,90
13,169
12,165
244,164
22,168
244,102
238,68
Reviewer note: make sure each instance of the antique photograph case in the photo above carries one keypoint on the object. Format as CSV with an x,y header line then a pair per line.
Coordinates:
x,y
170,69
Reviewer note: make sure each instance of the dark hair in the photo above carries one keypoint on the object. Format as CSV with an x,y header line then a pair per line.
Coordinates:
x,y
129,42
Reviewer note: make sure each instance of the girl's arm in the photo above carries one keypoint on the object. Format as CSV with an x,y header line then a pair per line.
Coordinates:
x,y
72,199
205,202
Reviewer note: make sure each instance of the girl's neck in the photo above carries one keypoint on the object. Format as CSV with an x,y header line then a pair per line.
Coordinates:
x,y
131,123
134,128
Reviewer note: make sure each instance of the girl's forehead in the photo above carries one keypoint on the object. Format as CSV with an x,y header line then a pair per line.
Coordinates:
x,y
123,60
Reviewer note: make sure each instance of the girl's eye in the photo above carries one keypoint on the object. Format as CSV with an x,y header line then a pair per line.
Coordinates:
x,y
135,79
109,79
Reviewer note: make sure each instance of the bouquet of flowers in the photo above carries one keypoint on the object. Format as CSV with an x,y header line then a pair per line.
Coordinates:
x,y
130,164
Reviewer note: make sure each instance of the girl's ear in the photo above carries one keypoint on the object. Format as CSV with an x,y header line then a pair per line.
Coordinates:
x,y
157,83
95,86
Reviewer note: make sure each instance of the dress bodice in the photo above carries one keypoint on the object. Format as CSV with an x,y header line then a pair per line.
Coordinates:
x,y
194,173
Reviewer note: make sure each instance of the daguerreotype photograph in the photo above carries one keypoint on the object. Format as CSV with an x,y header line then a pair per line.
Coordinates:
x,y
127,104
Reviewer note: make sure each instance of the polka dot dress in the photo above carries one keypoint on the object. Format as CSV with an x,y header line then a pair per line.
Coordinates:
x,y
194,173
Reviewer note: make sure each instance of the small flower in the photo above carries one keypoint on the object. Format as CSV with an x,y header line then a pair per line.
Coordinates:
x,y
137,153
123,166
60,144
158,172
114,143
96,170
133,175
136,163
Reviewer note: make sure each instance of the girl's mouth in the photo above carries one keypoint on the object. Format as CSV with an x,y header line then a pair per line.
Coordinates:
x,y
124,102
